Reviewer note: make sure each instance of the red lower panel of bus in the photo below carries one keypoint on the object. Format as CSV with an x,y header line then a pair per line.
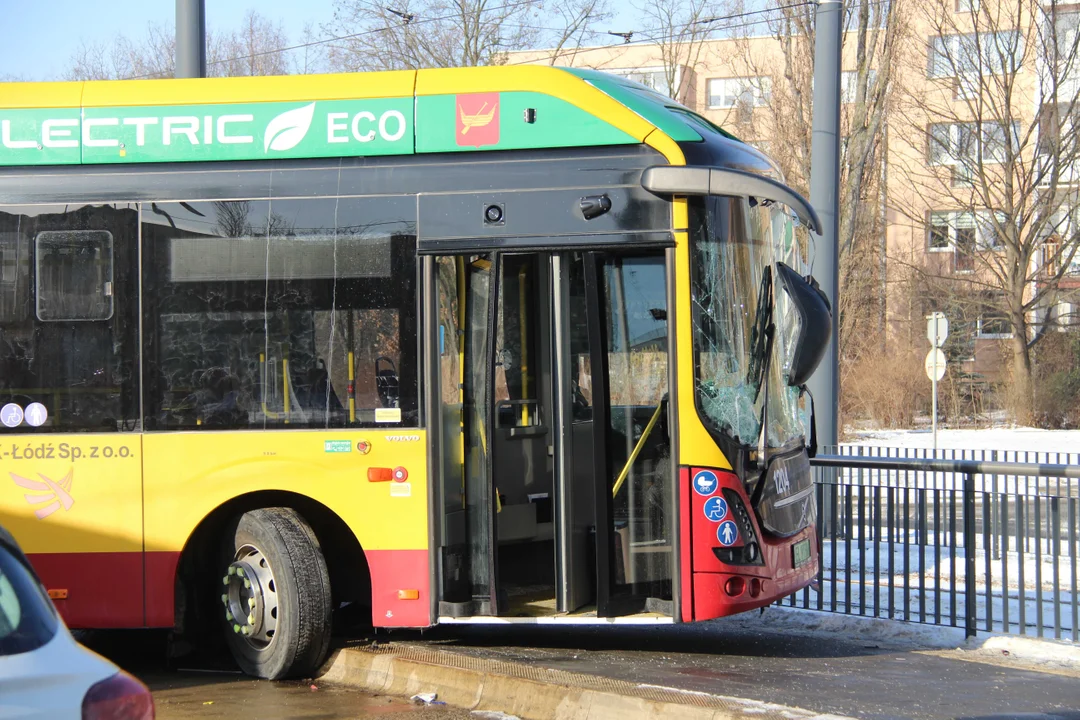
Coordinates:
x,y
400,588
721,594
161,588
105,590
713,588
96,590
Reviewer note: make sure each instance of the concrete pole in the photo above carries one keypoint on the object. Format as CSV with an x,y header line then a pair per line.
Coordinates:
x,y
190,38
825,197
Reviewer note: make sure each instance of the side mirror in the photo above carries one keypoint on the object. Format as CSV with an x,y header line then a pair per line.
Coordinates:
x,y
814,323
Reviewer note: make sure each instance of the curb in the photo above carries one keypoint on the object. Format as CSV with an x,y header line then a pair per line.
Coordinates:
x,y
532,692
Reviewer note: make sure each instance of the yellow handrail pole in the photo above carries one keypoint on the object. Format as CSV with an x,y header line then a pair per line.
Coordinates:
x,y
522,319
637,450
285,386
352,389
262,376
459,263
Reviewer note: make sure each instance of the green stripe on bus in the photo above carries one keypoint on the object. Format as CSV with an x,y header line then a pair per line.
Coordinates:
x,y
650,105
187,133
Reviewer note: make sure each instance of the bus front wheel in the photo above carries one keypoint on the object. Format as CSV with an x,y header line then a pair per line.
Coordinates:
x,y
275,594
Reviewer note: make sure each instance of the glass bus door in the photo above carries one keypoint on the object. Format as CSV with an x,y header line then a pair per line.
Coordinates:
x,y
555,480
626,297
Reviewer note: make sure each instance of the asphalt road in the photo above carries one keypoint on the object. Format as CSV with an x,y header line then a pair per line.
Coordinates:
x,y
820,673
826,674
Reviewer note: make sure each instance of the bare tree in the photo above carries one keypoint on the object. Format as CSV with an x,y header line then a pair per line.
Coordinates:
x,y
771,103
256,48
997,187
232,218
573,24
430,33
152,56
310,57
456,33
679,29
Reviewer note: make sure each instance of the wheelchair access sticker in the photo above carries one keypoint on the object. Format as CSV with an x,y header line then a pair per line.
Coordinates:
x,y
715,509
705,483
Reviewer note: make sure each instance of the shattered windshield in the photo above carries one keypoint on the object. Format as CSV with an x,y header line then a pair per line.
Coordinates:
x,y
734,245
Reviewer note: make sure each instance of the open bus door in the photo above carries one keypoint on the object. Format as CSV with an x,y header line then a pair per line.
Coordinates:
x,y
555,485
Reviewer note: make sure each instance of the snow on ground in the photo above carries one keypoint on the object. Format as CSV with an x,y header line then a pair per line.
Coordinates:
x,y
1011,444
1009,439
892,634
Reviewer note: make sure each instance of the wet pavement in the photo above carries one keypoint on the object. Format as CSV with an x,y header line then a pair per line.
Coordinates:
x,y
211,689
189,695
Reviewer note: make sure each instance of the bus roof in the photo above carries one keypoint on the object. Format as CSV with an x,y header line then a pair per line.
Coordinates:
x,y
359,114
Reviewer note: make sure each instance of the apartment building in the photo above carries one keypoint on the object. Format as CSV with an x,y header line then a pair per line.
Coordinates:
x,y
976,134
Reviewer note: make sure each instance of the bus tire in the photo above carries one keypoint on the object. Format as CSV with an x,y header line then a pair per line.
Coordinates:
x,y
275,593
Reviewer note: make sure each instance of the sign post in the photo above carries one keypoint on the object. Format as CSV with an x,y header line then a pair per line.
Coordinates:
x,y
937,331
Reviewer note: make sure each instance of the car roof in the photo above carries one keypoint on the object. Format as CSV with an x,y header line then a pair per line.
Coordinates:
x,y
8,542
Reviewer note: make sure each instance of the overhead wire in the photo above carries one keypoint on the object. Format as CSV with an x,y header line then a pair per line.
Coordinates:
x,y
683,35
651,39
324,41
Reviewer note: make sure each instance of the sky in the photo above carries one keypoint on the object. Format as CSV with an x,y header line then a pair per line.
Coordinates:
x,y
40,36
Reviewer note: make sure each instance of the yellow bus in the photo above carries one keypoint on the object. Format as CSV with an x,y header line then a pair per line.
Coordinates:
x,y
484,345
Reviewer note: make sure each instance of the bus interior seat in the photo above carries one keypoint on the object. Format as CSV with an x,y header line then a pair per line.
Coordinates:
x,y
321,389
387,382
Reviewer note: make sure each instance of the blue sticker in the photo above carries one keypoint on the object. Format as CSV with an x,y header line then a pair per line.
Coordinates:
x,y
715,509
705,482
727,533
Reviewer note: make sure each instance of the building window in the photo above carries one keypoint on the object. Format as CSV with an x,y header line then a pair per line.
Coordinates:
x,y
962,146
1066,315
654,78
965,233
993,324
849,84
967,6
1061,61
748,91
969,56
940,232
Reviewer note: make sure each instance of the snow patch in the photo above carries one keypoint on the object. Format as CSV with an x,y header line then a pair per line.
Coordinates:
x,y
1009,439
753,707
891,634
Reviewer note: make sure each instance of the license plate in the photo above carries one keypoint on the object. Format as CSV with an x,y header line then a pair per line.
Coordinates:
x,y
801,552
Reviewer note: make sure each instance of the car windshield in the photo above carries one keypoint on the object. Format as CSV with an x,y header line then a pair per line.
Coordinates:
x,y
27,618
735,244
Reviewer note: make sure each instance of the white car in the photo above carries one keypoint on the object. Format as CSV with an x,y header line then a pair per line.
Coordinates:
x,y
44,672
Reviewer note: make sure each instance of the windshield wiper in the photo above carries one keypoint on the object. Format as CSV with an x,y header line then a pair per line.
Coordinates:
x,y
761,348
761,336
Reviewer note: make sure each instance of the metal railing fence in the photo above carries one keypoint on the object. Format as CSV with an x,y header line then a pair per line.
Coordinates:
x,y
986,545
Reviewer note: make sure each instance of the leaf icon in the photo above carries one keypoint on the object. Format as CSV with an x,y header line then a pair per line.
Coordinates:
x,y
287,130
